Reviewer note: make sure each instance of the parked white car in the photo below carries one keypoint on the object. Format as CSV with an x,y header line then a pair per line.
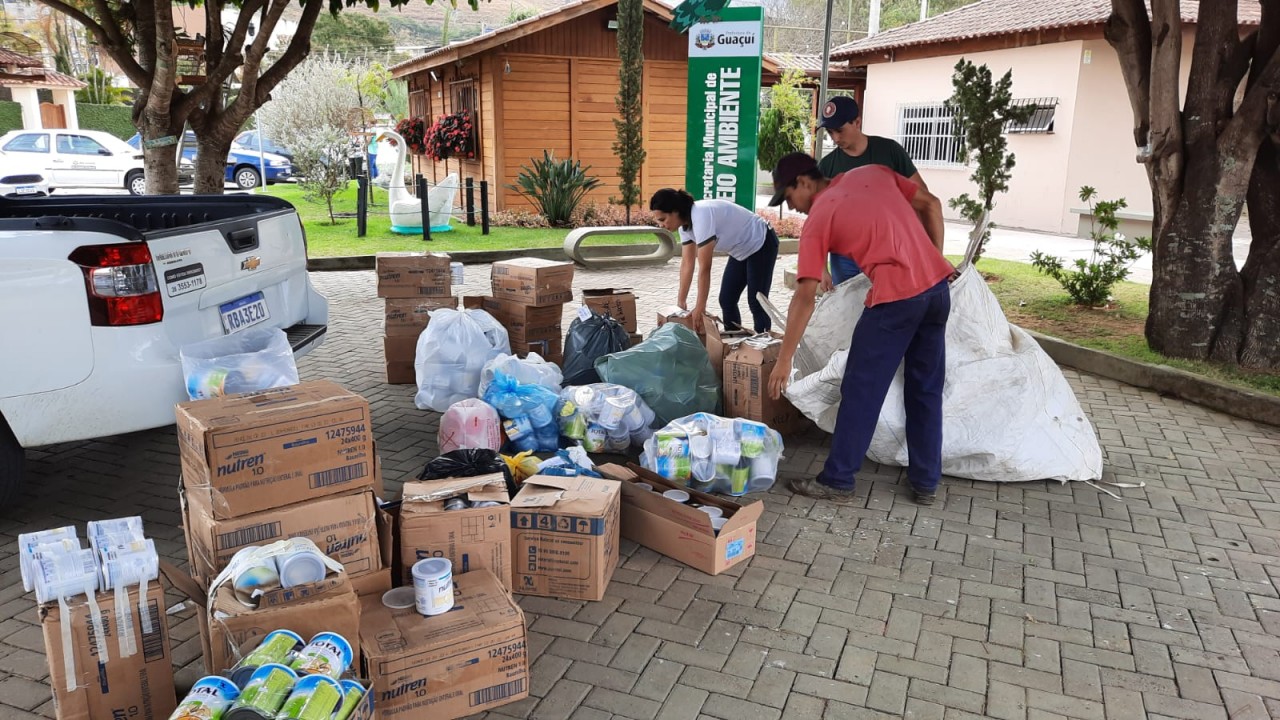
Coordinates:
x,y
77,158
19,179
100,293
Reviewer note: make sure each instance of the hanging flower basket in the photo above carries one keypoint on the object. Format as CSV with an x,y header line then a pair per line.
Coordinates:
x,y
452,136
414,131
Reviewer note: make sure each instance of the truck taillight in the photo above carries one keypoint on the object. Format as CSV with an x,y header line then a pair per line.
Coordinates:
x,y
121,284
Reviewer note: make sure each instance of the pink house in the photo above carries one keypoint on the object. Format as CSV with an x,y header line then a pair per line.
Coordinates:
x,y
1081,135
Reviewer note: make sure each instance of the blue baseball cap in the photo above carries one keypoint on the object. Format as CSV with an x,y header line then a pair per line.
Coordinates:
x,y
838,112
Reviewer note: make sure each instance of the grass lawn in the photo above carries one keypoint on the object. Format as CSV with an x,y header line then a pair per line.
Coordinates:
x,y
1037,302
325,239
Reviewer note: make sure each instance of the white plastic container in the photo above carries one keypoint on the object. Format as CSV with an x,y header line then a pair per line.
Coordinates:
x,y
679,496
300,568
433,586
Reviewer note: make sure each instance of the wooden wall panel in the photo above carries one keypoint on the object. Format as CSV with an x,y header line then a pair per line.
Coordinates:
x,y
589,37
536,114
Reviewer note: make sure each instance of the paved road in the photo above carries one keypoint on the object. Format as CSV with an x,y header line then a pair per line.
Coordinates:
x,y
1034,600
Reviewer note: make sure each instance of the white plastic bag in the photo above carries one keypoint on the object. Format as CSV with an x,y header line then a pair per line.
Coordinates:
x,y
1008,413
533,370
247,361
470,425
451,353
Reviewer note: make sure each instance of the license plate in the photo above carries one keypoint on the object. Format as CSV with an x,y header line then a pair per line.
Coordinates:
x,y
244,313
26,190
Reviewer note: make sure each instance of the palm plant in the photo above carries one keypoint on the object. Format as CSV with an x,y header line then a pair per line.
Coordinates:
x,y
555,187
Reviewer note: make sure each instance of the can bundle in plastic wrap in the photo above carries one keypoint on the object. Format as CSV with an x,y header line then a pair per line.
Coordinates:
x,y
604,417
528,413
715,454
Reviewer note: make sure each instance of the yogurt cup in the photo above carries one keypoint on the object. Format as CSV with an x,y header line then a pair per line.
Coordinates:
x,y
718,523
679,496
712,510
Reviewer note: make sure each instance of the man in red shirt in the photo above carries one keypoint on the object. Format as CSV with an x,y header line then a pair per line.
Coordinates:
x,y
893,229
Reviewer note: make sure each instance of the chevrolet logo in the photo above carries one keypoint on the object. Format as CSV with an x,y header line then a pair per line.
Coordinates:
x,y
250,263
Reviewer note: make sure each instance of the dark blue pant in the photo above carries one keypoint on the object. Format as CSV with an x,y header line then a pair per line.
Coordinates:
x,y
911,332
755,274
843,268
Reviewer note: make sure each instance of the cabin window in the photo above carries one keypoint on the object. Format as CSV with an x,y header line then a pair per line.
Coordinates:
x,y
1041,120
466,97
925,131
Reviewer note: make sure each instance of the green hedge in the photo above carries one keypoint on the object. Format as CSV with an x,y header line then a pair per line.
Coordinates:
x,y
115,119
10,116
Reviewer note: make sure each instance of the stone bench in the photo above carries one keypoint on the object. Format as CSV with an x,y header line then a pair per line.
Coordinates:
x,y
609,259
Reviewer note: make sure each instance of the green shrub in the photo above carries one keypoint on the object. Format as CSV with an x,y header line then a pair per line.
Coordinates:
x,y
1091,282
555,187
115,119
10,116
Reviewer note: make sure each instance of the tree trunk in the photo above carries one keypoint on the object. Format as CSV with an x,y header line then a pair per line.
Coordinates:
x,y
1261,272
211,161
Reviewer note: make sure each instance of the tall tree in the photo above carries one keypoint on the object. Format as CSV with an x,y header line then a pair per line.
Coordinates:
x,y
139,35
785,122
352,34
1206,159
629,147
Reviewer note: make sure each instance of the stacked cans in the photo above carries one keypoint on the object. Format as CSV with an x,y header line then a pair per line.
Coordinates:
x,y
257,571
282,679
56,565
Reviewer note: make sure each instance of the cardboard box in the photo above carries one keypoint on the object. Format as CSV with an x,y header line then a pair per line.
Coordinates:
x,y
409,316
533,281
401,372
257,451
468,660
635,339
548,349
682,532
674,314
471,539
526,323
228,628
139,686
719,342
413,274
344,527
746,385
400,349
617,303
473,302
377,583
564,534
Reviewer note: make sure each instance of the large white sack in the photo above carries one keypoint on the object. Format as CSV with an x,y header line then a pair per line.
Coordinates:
x,y
451,354
1008,413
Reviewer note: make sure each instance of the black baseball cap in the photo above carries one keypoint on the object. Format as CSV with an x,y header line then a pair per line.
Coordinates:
x,y
838,112
790,167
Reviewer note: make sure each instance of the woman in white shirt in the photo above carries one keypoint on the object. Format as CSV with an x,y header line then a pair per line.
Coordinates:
x,y
709,225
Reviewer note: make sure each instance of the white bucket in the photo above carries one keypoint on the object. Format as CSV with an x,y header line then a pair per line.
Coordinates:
x,y
433,586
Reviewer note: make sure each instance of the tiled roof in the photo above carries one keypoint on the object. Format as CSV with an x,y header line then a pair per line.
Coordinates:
x,y
9,58
40,78
809,64
483,41
990,18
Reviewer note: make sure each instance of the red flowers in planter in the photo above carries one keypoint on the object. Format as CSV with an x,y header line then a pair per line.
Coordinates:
x,y
413,130
451,136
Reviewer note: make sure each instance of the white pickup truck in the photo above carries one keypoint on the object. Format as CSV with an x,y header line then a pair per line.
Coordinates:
x,y
97,295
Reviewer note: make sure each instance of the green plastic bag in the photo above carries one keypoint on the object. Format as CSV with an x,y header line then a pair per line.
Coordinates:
x,y
670,371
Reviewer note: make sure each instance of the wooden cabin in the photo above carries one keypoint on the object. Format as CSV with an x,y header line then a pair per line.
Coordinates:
x,y
550,82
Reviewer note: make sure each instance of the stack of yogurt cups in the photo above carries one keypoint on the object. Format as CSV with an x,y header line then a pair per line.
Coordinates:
x,y
284,678
57,566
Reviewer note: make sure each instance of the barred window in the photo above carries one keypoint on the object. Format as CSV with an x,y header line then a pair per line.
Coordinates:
x,y
1041,120
926,132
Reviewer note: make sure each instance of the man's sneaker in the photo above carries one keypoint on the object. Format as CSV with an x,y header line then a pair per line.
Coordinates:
x,y
924,498
810,487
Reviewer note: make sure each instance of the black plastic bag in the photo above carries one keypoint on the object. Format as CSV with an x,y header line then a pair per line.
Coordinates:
x,y
468,462
588,340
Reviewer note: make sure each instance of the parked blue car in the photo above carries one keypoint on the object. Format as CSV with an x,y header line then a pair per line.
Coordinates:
x,y
243,166
249,141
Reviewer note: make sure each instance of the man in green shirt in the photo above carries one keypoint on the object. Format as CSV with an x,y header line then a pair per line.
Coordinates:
x,y
843,122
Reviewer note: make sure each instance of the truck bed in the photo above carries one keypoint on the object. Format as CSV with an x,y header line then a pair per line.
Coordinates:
x,y
141,214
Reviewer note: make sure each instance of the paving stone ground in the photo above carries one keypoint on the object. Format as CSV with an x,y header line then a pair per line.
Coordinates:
x,y
1034,600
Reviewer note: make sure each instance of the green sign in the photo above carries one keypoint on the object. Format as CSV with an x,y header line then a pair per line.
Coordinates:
x,y
724,106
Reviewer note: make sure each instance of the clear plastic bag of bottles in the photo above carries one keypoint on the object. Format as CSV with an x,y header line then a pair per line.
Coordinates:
x,y
710,453
247,361
528,411
451,353
604,417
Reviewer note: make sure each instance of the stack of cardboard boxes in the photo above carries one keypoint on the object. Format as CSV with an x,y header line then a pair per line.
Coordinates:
x,y
413,285
527,298
279,464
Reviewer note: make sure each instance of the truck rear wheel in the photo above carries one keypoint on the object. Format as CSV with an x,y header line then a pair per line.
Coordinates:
x,y
12,459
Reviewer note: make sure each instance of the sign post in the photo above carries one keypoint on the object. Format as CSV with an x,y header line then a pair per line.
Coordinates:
x,y
725,61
